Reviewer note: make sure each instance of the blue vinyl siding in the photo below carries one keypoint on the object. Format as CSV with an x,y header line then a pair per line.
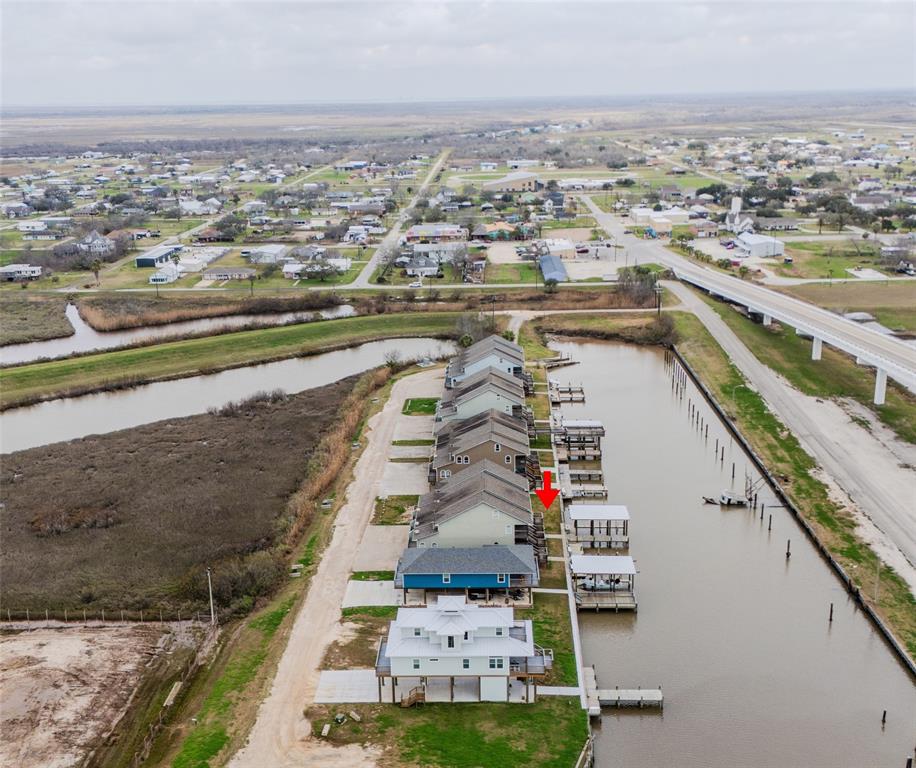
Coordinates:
x,y
458,581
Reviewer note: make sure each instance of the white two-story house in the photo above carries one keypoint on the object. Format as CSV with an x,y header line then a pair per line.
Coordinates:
x,y
461,643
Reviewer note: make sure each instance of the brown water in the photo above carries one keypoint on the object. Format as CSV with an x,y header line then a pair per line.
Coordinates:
x,y
86,339
736,635
69,418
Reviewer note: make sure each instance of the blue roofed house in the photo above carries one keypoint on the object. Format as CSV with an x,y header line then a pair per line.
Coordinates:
x,y
502,573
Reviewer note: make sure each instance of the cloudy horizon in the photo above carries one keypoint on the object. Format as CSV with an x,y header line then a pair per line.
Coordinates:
x,y
141,53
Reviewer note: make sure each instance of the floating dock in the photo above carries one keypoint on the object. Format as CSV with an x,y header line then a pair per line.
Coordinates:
x,y
596,697
631,697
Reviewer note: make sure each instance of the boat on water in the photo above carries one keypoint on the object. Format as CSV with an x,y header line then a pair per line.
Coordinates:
x,y
727,499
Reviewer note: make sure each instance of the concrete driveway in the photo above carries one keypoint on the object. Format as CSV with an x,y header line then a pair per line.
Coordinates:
x,y
380,547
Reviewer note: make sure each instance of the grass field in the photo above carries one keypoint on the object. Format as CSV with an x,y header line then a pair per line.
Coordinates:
x,y
827,259
548,734
32,319
553,629
194,356
525,272
420,406
834,375
892,303
118,537
393,510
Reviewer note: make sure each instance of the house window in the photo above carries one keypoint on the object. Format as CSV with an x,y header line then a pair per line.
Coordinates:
x,y
465,663
416,631
443,473
465,635
446,578
438,659
416,663
450,643
500,578
508,459
496,662
499,631
497,447
508,529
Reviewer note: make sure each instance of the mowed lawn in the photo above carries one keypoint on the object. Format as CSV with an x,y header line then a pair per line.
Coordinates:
x,y
201,355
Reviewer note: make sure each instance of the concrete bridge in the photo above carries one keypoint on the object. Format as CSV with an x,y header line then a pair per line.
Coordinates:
x,y
889,357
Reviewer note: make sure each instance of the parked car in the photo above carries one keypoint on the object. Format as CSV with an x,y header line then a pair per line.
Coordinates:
x,y
416,284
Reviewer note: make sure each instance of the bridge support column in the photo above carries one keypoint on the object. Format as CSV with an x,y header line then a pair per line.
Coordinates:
x,y
816,347
767,320
880,386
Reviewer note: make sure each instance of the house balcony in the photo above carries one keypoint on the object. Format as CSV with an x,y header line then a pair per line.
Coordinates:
x,y
382,662
532,666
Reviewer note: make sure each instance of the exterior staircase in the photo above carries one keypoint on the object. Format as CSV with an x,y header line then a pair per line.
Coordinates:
x,y
416,695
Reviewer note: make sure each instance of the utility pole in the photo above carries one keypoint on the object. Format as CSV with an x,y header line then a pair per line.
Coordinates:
x,y
210,590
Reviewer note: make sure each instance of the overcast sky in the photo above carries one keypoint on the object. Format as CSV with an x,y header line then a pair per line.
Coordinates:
x,y
163,52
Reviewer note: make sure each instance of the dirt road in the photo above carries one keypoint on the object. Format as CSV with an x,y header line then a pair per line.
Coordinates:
x,y
281,736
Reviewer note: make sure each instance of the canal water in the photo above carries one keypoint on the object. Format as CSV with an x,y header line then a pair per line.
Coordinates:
x,y
86,339
737,635
69,418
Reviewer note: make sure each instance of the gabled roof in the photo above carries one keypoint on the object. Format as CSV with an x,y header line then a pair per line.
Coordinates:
x,y
469,423
508,436
491,345
513,559
454,499
488,379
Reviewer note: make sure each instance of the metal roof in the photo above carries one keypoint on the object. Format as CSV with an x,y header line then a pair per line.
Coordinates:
x,y
587,565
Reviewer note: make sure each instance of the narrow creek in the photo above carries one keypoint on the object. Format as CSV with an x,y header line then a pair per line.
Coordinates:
x,y
737,635
86,339
69,418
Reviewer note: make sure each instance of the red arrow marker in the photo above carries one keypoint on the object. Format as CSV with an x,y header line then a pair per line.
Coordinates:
x,y
546,494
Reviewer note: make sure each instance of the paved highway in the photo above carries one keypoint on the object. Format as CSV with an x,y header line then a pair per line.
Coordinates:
x,y
899,357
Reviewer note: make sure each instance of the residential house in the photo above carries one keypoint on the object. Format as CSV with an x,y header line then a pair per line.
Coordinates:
x,y
491,352
440,252
489,435
96,245
254,208
13,272
488,389
220,273
168,273
15,210
269,253
774,223
420,266
494,572
462,645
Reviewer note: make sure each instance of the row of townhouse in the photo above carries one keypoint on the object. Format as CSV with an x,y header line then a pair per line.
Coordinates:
x,y
475,543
